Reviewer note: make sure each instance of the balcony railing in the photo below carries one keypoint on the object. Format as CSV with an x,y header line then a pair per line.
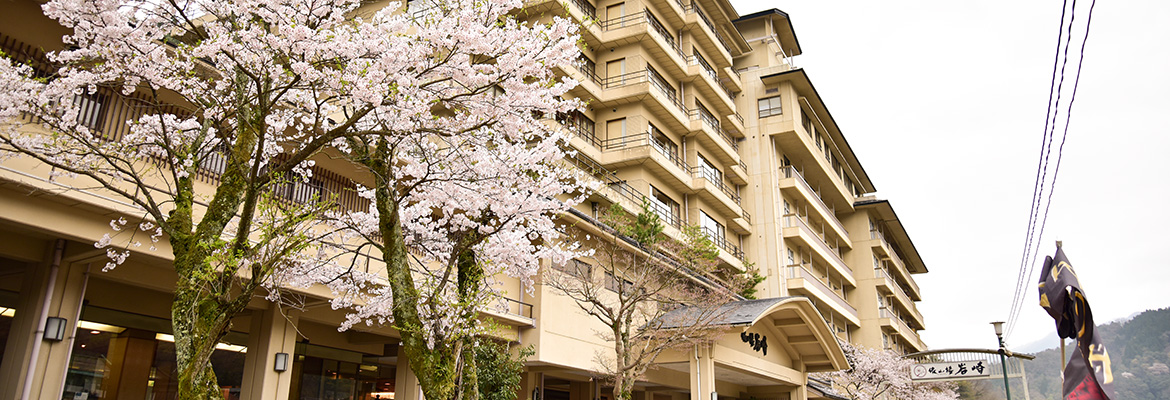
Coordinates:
x,y
608,178
694,8
896,318
838,296
721,242
645,17
697,59
587,68
697,114
646,76
877,234
516,307
702,172
883,273
795,220
666,213
585,7
791,172
105,110
641,140
581,130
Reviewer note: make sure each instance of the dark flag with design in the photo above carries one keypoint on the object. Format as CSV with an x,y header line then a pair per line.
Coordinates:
x,y
1088,375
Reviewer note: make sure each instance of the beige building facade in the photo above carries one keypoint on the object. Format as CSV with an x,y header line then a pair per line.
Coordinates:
x,y
689,104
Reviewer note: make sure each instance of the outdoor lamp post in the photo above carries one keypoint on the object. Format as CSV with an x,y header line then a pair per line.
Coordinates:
x,y
1002,357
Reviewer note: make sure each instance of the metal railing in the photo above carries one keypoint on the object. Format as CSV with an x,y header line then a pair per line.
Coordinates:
x,y
703,172
585,7
606,177
697,114
884,274
641,140
797,221
697,59
694,8
799,272
588,68
645,17
792,172
580,129
721,242
646,76
516,307
893,253
666,214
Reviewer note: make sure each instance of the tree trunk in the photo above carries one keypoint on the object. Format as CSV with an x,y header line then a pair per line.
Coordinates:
x,y
198,324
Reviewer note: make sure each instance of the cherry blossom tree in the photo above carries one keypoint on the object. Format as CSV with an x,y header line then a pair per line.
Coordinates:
x,y
882,374
229,104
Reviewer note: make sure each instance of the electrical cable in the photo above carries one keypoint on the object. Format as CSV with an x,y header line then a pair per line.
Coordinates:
x,y
1038,183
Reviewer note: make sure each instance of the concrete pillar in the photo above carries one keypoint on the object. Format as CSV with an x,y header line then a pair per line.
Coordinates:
x,y
406,385
46,291
272,331
23,332
702,368
68,297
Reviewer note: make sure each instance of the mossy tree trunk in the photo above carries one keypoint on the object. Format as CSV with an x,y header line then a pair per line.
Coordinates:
x,y
444,364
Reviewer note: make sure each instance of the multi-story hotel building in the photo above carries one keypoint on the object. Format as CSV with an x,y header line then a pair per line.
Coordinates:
x,y
689,105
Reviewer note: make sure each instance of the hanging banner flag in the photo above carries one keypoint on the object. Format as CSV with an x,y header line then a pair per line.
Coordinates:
x,y
1088,375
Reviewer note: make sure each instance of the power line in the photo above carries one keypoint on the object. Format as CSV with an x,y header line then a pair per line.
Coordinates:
x,y
1064,135
1063,140
1037,186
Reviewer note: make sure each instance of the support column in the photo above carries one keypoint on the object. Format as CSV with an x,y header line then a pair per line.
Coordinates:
x,y
405,381
272,331
23,333
51,288
702,373
68,298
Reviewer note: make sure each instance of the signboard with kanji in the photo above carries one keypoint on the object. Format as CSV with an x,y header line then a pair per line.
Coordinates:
x,y
949,370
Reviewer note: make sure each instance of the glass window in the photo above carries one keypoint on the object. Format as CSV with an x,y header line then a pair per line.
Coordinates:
x,y
713,229
769,106
709,171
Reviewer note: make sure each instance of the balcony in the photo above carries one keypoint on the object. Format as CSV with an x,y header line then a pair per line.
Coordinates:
x,y
894,323
610,187
637,149
883,247
512,312
641,27
795,227
793,182
738,173
637,86
803,281
709,85
888,282
713,135
724,245
801,148
710,38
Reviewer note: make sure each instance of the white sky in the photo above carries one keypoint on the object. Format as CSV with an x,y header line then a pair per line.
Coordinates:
x,y
944,101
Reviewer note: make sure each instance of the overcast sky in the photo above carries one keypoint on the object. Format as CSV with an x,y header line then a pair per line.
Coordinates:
x,y
944,104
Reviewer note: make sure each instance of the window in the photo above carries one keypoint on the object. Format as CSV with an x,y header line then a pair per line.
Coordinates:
x,y
663,143
709,171
791,257
787,208
575,267
613,283
664,206
769,106
711,228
